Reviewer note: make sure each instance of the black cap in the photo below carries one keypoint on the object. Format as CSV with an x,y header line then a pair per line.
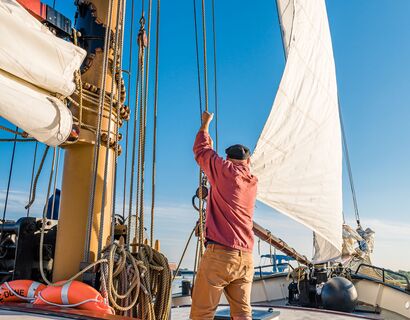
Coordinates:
x,y
238,152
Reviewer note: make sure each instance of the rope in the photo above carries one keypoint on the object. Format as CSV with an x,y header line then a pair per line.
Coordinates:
x,y
72,305
55,184
13,153
107,40
44,219
197,63
107,147
157,281
141,39
134,141
16,294
183,253
121,266
79,85
204,49
40,168
215,77
16,132
349,167
154,144
18,140
117,134
201,216
32,175
144,105
131,41
196,262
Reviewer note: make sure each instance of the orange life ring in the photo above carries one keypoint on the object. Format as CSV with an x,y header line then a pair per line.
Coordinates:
x,y
73,294
20,290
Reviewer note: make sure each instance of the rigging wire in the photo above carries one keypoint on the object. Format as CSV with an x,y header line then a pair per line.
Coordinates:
x,y
197,62
32,175
119,82
154,144
134,141
204,52
13,153
141,37
349,167
215,77
108,145
44,217
129,74
40,168
57,162
144,106
101,101
18,140
183,253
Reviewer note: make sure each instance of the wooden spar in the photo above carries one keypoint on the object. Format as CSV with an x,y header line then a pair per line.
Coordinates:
x,y
79,157
279,244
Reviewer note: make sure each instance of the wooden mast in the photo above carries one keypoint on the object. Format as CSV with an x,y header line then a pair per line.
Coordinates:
x,y
79,157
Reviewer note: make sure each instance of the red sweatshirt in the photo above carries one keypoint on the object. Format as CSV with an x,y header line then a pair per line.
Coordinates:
x,y
231,200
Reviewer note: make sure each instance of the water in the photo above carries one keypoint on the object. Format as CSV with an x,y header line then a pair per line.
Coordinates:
x,y
176,285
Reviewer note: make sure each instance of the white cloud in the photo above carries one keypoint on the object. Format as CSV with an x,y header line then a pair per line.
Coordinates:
x,y
17,200
174,222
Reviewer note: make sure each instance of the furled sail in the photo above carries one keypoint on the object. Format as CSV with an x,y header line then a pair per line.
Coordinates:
x,y
42,66
298,157
44,117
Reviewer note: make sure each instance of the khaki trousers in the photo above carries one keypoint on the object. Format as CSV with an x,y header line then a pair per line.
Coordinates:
x,y
227,270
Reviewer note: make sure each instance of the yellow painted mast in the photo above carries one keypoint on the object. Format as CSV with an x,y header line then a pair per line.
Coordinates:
x,y
79,157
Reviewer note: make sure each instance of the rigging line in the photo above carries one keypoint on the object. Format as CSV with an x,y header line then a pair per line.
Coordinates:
x,y
141,127
32,175
114,69
154,144
55,184
101,101
40,168
183,253
197,62
13,153
134,141
44,217
119,81
18,140
215,77
129,73
144,107
204,49
196,262
349,167
16,132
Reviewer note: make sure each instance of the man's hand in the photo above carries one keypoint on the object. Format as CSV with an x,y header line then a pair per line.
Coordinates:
x,y
206,120
207,117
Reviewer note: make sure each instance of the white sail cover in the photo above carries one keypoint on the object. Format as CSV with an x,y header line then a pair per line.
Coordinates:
x,y
31,52
298,158
35,67
42,116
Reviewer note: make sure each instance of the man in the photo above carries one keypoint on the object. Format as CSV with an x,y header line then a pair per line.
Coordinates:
x,y
227,264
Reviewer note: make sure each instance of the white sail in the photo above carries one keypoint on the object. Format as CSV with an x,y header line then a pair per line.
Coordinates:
x,y
35,68
31,52
298,158
40,115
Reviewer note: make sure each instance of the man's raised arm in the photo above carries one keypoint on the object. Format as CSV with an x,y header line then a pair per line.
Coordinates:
x,y
205,156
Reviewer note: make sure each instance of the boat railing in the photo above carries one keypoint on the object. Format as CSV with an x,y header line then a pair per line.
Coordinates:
x,y
259,269
384,275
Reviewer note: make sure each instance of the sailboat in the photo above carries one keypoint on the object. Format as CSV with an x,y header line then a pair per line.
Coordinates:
x,y
103,264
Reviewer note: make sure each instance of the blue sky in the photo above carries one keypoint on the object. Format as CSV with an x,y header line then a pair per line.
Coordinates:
x,y
371,49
